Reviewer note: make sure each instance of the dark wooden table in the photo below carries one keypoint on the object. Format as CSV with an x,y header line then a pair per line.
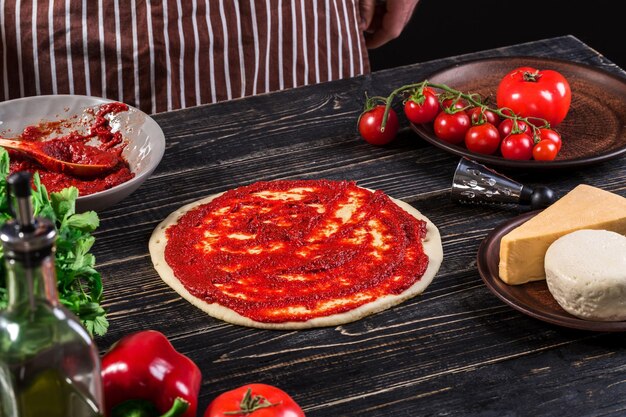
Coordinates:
x,y
454,350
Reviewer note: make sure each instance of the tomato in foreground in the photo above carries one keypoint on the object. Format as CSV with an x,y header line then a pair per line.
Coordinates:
x,y
254,400
451,127
483,138
370,124
517,146
531,92
422,108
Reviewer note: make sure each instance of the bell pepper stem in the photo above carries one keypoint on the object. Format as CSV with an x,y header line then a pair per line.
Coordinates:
x,y
143,408
178,408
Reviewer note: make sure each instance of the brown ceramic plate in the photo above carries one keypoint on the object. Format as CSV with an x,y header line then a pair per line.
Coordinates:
x,y
593,131
533,298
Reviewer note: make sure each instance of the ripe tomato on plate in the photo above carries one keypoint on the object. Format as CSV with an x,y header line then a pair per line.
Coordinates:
x,y
551,135
478,114
422,108
545,150
506,127
254,400
451,127
517,146
483,138
531,92
454,103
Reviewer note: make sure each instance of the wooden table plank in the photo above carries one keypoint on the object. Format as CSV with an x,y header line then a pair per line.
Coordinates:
x,y
454,350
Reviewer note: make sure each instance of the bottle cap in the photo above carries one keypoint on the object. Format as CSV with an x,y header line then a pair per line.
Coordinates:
x,y
25,237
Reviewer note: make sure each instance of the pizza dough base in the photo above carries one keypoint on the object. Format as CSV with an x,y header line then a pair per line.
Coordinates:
x,y
432,248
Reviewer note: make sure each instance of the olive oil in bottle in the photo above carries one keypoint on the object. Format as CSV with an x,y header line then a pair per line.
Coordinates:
x,y
49,365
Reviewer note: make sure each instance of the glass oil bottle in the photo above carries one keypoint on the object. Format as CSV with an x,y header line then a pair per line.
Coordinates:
x,y
49,364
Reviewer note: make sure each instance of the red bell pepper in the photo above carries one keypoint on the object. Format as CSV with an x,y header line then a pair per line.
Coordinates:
x,y
143,375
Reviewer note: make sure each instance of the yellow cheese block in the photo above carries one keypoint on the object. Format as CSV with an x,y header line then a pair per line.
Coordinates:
x,y
523,249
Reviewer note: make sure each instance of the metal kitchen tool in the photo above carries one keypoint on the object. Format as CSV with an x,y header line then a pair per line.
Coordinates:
x,y
474,183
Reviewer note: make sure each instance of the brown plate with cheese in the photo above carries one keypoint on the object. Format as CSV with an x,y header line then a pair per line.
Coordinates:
x,y
532,298
593,131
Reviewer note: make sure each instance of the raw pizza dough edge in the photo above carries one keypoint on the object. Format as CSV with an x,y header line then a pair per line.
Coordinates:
x,y
432,248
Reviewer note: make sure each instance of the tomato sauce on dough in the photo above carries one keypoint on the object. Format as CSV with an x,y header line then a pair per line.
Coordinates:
x,y
293,250
74,147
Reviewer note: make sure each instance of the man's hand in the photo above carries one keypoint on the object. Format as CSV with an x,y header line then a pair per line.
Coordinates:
x,y
384,21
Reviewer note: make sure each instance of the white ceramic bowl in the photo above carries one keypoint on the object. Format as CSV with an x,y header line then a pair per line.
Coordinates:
x,y
145,148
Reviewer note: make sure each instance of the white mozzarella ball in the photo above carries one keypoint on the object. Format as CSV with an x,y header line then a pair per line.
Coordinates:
x,y
586,274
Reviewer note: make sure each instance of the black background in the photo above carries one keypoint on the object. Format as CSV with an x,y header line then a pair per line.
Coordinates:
x,y
441,28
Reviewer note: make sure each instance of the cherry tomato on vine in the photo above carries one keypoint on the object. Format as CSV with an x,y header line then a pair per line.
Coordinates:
x,y
451,127
517,146
506,127
254,400
422,108
551,135
454,103
483,138
476,114
370,123
545,150
532,92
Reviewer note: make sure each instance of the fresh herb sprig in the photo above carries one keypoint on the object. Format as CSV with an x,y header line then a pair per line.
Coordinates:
x,y
79,284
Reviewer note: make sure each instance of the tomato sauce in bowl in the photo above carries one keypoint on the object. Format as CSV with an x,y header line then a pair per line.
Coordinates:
x,y
98,146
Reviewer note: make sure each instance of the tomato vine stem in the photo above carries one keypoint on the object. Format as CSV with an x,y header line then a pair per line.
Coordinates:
x,y
470,98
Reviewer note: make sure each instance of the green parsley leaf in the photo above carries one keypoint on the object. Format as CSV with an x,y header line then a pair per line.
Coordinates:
x,y
79,283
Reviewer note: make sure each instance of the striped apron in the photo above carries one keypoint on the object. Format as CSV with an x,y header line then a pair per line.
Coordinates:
x,y
160,55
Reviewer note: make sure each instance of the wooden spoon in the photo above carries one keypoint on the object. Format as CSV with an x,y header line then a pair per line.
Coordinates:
x,y
66,158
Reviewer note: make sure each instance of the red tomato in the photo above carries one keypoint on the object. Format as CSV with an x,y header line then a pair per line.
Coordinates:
x,y
531,92
451,127
454,103
506,127
478,114
545,150
517,146
371,121
483,138
551,135
422,108
254,400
